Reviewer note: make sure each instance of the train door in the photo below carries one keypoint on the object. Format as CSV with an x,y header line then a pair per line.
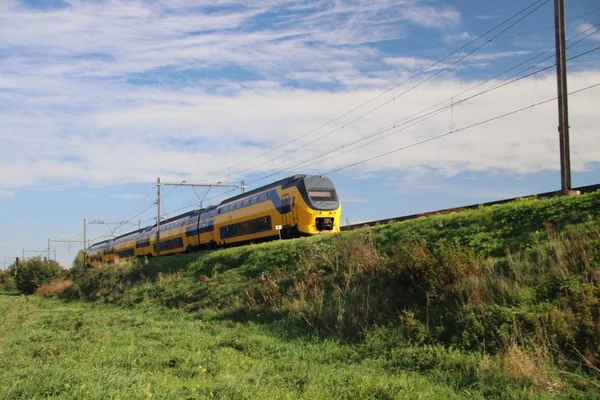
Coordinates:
x,y
294,211
285,209
211,230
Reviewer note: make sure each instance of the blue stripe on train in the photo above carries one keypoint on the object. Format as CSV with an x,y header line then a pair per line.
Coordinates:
x,y
283,206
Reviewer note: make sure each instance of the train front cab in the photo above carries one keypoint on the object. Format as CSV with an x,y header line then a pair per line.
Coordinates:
x,y
316,206
300,205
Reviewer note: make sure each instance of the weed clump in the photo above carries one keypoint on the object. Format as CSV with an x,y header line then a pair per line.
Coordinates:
x,y
32,273
57,287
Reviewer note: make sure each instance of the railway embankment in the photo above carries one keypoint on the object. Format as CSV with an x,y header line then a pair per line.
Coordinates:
x,y
519,282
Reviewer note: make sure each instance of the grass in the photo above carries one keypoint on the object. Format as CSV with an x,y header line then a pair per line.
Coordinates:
x,y
77,350
500,302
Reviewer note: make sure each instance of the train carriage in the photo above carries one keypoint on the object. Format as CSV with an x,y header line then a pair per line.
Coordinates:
x,y
172,235
143,242
123,247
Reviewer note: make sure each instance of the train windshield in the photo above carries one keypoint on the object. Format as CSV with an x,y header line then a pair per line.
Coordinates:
x,y
322,195
319,192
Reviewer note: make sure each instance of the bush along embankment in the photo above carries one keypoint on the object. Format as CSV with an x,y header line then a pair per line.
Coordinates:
x,y
519,281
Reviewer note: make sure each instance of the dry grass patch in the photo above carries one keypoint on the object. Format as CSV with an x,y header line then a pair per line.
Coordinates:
x,y
55,288
528,369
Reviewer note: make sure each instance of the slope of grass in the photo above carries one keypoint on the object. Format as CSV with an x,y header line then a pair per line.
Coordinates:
x,y
506,295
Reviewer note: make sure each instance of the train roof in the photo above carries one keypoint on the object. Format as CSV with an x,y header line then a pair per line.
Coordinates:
x,y
283,182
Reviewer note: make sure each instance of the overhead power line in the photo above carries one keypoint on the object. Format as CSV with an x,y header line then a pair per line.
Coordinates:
x,y
139,204
535,5
456,131
595,27
420,117
588,13
438,72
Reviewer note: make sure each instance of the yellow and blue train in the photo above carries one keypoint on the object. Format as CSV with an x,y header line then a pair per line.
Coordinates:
x,y
300,205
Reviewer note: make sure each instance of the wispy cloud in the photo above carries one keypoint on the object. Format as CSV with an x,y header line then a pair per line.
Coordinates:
x,y
118,91
591,30
6,193
459,37
355,200
128,196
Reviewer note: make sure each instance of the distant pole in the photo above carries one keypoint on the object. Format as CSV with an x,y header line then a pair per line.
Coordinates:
x,y
242,187
23,254
563,110
158,216
139,224
48,258
84,241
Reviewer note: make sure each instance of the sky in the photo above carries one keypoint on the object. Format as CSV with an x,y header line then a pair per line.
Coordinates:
x,y
99,98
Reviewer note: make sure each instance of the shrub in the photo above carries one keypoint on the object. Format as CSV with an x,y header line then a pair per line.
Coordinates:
x,y
33,273
7,281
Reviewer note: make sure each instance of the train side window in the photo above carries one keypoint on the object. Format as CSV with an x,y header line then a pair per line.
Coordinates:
x,y
253,200
263,197
238,205
246,203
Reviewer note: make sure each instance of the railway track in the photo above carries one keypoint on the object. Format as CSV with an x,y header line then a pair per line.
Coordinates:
x,y
582,189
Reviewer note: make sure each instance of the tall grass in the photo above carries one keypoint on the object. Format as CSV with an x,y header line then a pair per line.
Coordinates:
x,y
545,297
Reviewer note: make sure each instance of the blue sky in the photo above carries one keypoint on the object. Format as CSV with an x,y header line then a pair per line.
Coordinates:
x,y
99,98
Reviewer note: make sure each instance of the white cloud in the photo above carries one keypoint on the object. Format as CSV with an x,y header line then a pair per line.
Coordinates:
x,y
128,196
205,132
459,37
588,29
408,62
72,114
6,193
496,55
432,17
354,200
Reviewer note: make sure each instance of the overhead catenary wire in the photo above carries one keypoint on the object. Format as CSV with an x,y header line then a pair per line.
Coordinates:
x,y
409,89
436,137
435,112
534,4
417,115
500,84
588,35
456,131
139,203
588,13
411,121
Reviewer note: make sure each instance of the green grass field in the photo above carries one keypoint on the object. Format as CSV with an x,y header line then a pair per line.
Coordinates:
x,y
77,350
